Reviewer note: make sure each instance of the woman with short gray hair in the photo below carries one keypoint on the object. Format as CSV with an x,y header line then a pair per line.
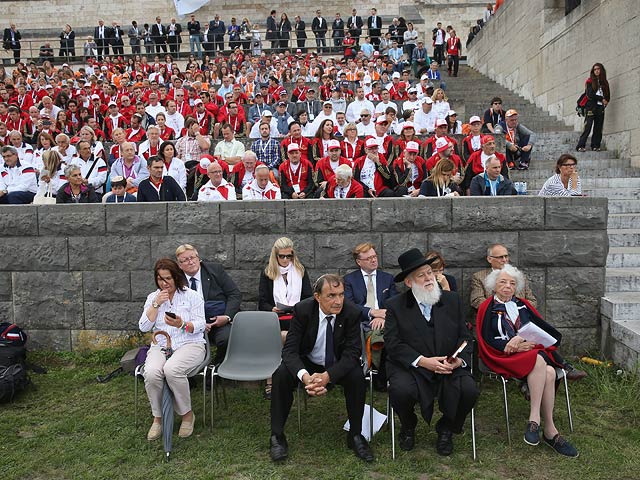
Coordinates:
x,y
75,191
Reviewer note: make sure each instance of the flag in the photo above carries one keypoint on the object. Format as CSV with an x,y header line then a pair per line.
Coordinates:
x,y
183,7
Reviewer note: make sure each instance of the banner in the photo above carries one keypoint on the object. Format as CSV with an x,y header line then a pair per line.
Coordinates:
x,y
184,7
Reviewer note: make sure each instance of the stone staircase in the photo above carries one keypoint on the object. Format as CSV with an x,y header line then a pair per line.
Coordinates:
x,y
603,174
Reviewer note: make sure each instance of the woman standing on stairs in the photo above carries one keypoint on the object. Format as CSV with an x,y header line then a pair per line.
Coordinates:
x,y
598,95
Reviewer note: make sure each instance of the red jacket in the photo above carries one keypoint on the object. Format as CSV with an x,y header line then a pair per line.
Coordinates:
x,y
457,162
355,189
303,178
237,175
475,160
351,152
323,170
381,178
402,175
303,142
428,146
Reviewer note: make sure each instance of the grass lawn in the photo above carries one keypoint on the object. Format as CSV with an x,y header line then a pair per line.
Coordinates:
x,y
70,427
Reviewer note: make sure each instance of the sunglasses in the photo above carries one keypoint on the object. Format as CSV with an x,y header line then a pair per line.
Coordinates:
x,y
282,257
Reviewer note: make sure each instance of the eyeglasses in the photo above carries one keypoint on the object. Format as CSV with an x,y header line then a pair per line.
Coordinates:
x,y
500,257
363,116
282,257
497,103
369,258
190,259
568,165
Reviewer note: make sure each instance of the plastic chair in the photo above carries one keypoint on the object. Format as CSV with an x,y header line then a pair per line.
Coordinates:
x,y
254,351
560,373
201,369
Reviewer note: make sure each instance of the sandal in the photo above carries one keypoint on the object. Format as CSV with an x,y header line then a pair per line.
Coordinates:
x,y
267,391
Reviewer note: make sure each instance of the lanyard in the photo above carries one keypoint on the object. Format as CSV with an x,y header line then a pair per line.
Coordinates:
x,y
294,180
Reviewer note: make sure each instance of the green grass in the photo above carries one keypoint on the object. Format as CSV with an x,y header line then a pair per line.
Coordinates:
x,y
70,427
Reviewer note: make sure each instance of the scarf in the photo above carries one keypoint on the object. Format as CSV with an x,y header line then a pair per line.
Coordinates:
x,y
288,293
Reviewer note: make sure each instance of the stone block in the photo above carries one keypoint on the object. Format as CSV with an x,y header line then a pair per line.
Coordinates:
x,y
214,248
53,299
249,217
333,251
18,220
578,341
33,254
464,249
411,215
137,218
576,213
394,244
537,281
563,248
495,214
575,282
142,284
106,286
6,312
193,217
348,215
248,282
55,340
72,220
88,340
117,253
583,313
252,251
119,315
5,286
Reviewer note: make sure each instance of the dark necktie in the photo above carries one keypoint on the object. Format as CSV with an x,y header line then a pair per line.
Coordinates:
x,y
329,356
192,283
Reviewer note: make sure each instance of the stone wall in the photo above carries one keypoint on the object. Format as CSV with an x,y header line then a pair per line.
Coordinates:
x,y
535,50
462,15
77,275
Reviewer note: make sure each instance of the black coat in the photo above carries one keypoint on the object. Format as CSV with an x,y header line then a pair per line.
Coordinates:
x,y
265,291
218,285
170,191
299,27
304,330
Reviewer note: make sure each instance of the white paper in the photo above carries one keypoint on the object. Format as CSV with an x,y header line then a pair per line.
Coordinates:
x,y
378,421
188,6
533,333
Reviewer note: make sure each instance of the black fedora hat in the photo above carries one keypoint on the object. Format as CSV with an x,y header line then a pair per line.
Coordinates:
x,y
410,261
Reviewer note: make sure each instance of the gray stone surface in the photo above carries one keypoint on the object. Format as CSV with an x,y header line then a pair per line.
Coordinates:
x,y
5,286
106,286
563,248
20,221
467,249
193,218
574,282
215,248
56,340
248,282
576,213
583,312
6,311
578,341
112,315
494,214
394,244
348,215
71,220
33,253
142,284
249,217
136,218
333,251
537,282
48,299
410,215
119,253
252,251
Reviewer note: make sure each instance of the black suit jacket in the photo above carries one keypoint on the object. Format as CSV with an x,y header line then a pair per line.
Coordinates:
x,y
406,332
374,29
355,27
6,38
317,29
355,289
218,285
304,330
272,24
155,33
299,28
108,33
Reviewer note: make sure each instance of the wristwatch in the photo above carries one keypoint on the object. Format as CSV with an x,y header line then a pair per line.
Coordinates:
x,y
155,304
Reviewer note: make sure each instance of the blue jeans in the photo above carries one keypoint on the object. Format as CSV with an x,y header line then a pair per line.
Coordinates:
x,y
194,41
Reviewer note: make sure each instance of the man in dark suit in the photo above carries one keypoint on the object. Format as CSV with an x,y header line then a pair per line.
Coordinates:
x,y
369,288
216,27
159,35
319,28
322,348
221,295
116,38
374,24
102,35
423,327
272,30
301,35
354,25
11,41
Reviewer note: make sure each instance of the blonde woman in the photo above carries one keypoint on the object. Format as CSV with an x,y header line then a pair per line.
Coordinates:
x,y
440,103
284,281
440,182
52,173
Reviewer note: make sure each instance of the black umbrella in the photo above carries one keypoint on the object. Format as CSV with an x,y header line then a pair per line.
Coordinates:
x,y
167,418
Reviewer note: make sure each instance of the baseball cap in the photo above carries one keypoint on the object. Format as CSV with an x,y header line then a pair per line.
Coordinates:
x,y
267,113
442,144
333,144
441,123
95,97
511,112
427,100
293,147
371,143
407,125
381,119
412,147
197,101
475,119
395,75
451,112
487,139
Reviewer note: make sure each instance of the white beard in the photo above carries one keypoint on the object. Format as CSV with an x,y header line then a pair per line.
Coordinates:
x,y
427,297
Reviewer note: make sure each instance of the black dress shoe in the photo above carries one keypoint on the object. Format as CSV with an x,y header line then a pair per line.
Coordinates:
x,y
359,445
444,444
279,448
407,439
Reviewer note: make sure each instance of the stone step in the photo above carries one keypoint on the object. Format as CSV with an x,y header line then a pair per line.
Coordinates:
x,y
623,257
627,332
623,237
629,193
624,220
622,280
609,173
621,305
624,206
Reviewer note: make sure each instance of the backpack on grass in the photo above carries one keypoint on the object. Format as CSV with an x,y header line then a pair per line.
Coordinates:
x,y
13,361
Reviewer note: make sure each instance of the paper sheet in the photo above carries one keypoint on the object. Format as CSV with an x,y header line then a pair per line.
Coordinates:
x,y
533,333
378,421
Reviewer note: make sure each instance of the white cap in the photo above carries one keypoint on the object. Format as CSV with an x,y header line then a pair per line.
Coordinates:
x,y
441,123
333,144
451,112
474,119
412,147
395,75
427,100
424,77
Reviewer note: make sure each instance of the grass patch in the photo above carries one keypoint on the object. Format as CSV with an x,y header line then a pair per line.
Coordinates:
x,y
69,427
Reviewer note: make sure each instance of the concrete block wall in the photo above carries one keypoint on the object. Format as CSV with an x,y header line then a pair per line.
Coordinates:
x,y
535,50
77,275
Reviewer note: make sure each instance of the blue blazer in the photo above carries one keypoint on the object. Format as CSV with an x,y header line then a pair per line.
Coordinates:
x,y
355,289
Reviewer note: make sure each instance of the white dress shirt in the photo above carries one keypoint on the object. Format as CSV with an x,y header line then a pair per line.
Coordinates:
x,y
317,354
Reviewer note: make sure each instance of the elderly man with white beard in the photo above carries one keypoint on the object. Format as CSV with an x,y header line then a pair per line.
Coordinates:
x,y
424,327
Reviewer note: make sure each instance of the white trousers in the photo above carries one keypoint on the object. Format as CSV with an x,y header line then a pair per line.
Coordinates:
x,y
157,367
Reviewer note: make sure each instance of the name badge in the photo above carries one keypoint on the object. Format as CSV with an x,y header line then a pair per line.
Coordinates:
x,y
311,117
296,188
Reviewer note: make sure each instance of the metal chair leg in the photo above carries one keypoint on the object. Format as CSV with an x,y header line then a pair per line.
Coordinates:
x,y
473,432
213,394
506,407
204,396
393,432
135,394
371,408
566,392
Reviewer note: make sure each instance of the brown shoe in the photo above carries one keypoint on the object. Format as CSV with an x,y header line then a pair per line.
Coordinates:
x,y
575,374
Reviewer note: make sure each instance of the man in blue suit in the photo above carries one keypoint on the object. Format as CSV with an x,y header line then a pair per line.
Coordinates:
x,y
369,288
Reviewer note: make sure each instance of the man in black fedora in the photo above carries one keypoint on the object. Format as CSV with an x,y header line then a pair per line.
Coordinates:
x,y
424,326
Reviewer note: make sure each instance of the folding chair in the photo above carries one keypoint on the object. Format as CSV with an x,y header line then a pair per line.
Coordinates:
x,y
254,351
201,369
560,373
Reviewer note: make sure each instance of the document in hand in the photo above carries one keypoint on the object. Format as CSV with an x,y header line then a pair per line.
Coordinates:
x,y
284,308
533,333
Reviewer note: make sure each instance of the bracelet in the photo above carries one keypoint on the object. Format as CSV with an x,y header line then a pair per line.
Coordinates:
x,y
183,326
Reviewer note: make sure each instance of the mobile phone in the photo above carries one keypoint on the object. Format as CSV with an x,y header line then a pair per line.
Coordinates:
x,y
170,314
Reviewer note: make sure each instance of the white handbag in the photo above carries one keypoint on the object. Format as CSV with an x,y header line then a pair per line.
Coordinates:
x,y
46,198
